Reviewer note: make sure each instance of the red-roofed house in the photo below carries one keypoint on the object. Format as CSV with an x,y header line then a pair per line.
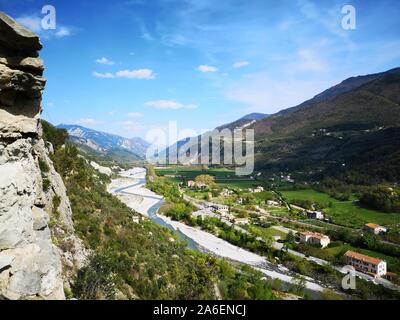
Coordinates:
x,y
374,228
365,263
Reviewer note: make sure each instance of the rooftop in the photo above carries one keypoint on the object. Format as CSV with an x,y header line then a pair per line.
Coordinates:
x,y
315,235
362,257
372,225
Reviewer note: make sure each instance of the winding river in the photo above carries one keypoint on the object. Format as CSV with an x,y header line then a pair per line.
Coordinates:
x,y
130,188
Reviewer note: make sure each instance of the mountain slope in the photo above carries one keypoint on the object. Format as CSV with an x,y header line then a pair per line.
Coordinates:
x,y
341,88
331,132
241,123
106,143
245,121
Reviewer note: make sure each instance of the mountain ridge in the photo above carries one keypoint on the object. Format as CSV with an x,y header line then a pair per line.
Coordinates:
x,y
106,143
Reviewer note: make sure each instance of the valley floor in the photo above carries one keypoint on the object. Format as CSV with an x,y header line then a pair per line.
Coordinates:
x,y
130,188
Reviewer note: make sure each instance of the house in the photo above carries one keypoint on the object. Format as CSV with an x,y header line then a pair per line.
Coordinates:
x,y
221,208
241,220
273,203
256,190
366,264
260,210
315,215
314,238
226,193
193,184
136,219
374,228
239,201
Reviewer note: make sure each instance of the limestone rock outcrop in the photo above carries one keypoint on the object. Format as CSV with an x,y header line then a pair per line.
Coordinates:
x,y
32,266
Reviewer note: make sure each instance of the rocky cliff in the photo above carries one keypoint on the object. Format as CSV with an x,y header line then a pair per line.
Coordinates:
x,y
38,249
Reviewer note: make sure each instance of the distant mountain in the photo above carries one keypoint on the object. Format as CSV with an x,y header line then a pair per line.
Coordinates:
x,y
350,131
241,123
106,143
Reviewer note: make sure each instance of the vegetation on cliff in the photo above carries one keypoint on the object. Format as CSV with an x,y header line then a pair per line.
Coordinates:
x,y
138,261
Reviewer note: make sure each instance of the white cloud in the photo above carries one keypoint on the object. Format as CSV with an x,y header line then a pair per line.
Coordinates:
x,y
146,74
34,23
31,22
205,68
169,104
309,60
136,74
103,75
147,36
50,104
62,32
240,64
104,60
87,121
135,115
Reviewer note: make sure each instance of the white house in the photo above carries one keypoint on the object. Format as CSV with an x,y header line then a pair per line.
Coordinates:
x,y
241,220
375,228
314,238
239,201
315,215
273,203
366,264
256,190
136,219
221,208
226,193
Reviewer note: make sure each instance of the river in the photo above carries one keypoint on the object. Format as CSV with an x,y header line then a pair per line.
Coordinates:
x,y
130,187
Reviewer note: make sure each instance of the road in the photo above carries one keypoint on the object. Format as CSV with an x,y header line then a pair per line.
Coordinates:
x,y
131,189
202,205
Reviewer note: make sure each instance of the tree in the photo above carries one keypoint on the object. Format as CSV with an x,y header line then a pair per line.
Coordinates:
x,y
290,237
96,280
298,285
206,179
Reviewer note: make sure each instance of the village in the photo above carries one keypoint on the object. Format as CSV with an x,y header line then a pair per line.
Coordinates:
x,y
245,212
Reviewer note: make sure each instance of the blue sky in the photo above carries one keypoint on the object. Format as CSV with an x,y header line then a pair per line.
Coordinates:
x,y
129,66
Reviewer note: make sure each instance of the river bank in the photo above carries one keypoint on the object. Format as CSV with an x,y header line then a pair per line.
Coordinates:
x,y
130,187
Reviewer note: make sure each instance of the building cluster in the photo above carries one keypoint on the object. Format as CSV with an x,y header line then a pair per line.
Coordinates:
x,y
312,214
226,192
193,184
273,203
256,190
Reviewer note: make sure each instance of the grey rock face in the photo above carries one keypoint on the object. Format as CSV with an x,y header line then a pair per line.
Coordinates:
x,y
31,265
16,37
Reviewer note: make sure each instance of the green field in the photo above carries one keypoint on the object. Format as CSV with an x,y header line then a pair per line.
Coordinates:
x,y
223,177
346,213
266,233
